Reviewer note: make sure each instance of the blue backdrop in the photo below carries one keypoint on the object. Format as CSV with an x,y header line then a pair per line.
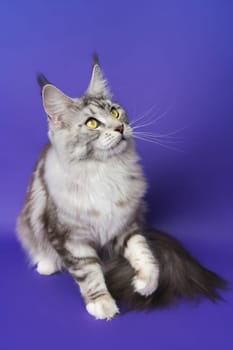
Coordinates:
x,y
175,54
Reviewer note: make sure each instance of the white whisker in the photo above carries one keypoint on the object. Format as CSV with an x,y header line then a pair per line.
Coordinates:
x,y
153,121
172,133
134,122
164,141
161,137
159,143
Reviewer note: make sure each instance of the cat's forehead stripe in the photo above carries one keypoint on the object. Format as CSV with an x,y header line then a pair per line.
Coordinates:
x,y
98,102
92,110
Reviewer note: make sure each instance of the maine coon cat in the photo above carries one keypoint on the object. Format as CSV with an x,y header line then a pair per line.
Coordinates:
x,y
84,210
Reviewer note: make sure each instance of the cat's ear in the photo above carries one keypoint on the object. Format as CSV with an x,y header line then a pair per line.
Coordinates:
x,y
98,86
56,104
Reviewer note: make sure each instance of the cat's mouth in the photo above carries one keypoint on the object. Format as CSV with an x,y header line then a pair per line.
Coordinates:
x,y
119,146
119,141
113,148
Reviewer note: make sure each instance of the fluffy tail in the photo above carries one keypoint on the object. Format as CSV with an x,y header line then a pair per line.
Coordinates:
x,y
180,276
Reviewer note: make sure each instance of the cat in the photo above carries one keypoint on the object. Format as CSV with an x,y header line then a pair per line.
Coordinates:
x,y
84,210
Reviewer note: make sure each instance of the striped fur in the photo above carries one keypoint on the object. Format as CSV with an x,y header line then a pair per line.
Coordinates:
x,y
86,193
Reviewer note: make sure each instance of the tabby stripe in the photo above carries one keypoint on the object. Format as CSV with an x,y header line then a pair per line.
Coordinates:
x,y
71,261
89,260
79,278
98,294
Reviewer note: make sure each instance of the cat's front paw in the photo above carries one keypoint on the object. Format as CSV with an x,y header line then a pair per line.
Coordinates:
x,y
103,308
146,280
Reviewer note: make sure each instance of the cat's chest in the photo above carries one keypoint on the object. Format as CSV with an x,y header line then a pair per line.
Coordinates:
x,y
95,195
101,198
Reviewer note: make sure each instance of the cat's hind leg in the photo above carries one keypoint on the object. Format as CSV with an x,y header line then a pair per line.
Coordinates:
x,y
31,224
48,262
40,251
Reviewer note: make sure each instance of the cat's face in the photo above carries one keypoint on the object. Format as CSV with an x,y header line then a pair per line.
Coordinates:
x,y
90,127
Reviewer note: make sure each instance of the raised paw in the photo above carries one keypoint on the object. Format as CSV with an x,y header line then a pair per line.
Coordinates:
x,y
103,308
146,280
46,267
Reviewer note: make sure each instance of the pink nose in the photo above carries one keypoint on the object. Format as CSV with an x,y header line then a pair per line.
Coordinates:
x,y
120,128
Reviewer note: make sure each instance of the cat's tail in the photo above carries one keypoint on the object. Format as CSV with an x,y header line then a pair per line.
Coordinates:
x,y
180,276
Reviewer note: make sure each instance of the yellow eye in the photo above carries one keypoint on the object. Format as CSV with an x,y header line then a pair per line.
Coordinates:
x,y
92,123
114,112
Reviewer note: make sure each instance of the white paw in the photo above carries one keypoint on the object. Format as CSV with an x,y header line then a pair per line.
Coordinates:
x,y
146,281
103,308
46,267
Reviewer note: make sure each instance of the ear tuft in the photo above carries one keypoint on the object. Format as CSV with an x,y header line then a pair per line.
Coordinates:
x,y
98,86
42,80
95,59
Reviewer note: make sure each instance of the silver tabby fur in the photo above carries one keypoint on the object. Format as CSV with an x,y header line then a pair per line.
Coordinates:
x,y
87,191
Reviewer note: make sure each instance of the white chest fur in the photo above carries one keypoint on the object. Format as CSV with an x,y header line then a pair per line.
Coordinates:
x,y
98,198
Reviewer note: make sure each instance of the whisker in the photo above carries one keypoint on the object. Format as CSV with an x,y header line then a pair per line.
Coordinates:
x,y
172,142
134,122
167,137
172,133
164,142
162,115
143,115
159,143
154,135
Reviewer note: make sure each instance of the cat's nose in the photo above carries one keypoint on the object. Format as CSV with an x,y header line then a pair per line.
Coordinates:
x,y
120,128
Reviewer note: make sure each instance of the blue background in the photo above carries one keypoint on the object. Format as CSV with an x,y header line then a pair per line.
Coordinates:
x,y
173,53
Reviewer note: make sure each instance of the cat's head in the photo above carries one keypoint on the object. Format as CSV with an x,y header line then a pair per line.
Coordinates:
x,y
92,126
